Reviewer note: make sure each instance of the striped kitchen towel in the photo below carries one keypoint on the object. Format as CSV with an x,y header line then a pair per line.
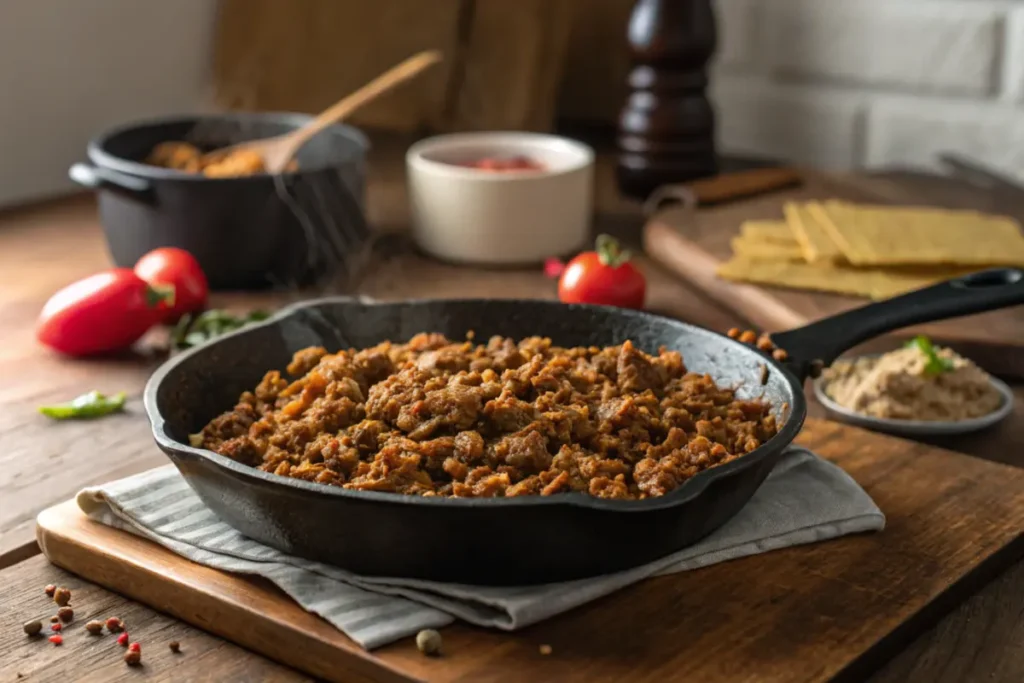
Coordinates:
x,y
804,500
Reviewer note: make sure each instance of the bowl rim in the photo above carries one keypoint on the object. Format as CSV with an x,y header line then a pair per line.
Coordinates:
x,y
416,158
795,414
97,153
919,427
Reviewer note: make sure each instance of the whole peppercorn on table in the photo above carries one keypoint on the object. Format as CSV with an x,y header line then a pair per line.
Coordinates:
x,y
45,461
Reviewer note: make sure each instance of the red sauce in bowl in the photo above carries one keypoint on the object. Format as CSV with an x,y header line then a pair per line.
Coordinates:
x,y
516,163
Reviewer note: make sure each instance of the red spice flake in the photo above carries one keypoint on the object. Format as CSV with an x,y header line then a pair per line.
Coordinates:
x,y
553,268
123,639
114,625
135,647
56,627
50,590
56,640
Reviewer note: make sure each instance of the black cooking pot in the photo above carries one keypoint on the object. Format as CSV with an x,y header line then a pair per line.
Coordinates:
x,y
247,232
525,539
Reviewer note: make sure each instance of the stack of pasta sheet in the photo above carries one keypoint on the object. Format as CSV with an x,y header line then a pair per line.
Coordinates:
x,y
870,251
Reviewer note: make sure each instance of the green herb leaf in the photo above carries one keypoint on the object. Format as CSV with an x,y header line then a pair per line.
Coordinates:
x,y
195,330
934,363
87,406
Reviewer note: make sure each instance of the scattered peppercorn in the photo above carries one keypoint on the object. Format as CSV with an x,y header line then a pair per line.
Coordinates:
x,y
428,641
733,333
54,619
175,646
62,596
94,627
33,627
748,337
56,640
545,649
66,614
115,625
123,639
56,627
50,589
780,355
134,647
764,343
132,657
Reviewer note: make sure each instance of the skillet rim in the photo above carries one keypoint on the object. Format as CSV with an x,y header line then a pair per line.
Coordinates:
x,y
690,489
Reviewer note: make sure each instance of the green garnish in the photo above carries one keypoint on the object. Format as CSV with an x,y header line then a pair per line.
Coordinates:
x,y
87,406
610,252
935,364
195,330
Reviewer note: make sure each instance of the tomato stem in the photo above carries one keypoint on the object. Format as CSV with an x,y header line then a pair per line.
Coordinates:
x,y
610,252
157,294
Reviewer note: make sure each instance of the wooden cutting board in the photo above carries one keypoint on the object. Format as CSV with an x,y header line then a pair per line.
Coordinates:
x,y
823,612
693,245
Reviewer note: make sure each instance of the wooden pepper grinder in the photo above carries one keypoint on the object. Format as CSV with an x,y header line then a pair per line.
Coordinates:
x,y
666,129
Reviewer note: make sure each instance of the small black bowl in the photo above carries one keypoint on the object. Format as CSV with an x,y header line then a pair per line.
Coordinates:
x,y
247,232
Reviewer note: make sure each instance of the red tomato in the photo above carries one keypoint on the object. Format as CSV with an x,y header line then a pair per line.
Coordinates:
x,y
604,276
180,269
105,312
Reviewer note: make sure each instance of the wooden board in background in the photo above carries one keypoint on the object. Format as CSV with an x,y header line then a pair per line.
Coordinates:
x,y
693,245
822,612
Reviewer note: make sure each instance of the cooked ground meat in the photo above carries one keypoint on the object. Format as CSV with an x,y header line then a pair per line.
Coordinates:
x,y
433,417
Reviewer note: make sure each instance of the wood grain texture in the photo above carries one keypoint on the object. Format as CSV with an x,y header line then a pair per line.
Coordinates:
x,y
979,641
812,613
593,89
693,244
511,65
303,55
502,68
83,657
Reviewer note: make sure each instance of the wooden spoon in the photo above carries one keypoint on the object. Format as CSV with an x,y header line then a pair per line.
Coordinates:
x,y
278,151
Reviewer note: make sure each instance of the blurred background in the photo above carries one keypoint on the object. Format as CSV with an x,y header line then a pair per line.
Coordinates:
x,y
834,84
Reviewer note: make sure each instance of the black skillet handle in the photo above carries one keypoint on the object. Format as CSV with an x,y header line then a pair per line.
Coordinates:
x,y
826,339
97,178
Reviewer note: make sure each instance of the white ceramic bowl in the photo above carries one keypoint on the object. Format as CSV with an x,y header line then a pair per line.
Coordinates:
x,y
470,215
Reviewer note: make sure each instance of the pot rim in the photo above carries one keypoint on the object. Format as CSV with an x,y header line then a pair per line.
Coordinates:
x,y
97,153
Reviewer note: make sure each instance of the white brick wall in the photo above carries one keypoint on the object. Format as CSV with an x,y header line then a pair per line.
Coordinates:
x,y
849,83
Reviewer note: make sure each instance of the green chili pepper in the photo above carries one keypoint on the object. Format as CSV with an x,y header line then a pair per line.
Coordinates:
x,y
195,330
935,364
87,406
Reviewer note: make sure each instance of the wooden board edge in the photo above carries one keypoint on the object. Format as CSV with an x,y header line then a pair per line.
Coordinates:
x,y
327,653
751,302
955,594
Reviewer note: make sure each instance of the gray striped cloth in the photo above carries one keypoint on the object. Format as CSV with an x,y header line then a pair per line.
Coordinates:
x,y
805,500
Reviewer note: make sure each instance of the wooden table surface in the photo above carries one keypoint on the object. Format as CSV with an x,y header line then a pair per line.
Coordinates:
x,y
46,246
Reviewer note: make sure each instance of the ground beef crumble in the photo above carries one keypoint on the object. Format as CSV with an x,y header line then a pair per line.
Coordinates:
x,y
433,417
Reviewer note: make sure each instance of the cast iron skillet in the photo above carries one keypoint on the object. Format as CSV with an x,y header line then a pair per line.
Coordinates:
x,y
520,540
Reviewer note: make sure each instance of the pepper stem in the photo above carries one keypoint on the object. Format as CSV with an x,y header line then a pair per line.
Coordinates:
x,y
157,294
610,252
